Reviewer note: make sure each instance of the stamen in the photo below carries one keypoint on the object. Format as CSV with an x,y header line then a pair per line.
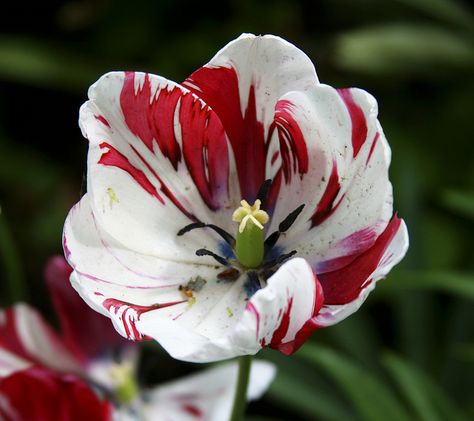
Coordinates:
x,y
283,227
278,260
263,191
220,259
228,238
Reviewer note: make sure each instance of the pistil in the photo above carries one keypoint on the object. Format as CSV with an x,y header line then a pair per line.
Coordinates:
x,y
249,242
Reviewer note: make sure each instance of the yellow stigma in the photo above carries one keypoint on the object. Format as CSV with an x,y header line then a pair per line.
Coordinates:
x,y
253,213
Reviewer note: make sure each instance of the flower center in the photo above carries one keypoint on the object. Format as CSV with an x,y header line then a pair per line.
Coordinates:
x,y
254,253
249,242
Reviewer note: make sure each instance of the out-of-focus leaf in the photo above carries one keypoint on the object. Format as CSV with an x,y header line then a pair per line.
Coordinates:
x,y
41,64
459,202
300,389
371,397
427,399
446,10
403,48
457,283
12,274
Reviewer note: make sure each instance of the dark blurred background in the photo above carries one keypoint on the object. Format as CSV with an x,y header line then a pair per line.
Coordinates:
x,y
409,352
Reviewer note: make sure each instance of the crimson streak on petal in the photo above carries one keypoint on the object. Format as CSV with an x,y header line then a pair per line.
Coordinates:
x,y
326,205
114,158
152,117
359,123
132,313
292,143
344,285
219,88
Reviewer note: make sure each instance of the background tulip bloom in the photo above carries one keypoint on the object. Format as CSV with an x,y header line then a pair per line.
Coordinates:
x,y
174,171
40,394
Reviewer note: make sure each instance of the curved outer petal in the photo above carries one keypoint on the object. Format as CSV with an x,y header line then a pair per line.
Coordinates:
x,y
39,394
242,84
207,395
83,330
157,161
346,192
274,316
26,339
351,285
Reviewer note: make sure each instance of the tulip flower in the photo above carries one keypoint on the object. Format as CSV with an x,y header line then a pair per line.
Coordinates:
x,y
38,394
243,208
65,397
85,347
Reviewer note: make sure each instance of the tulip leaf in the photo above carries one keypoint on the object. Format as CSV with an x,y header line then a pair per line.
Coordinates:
x,y
308,395
403,48
371,397
445,10
12,274
456,283
41,64
427,399
459,202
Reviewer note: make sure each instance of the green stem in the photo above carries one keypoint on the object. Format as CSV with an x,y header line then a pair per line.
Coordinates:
x,y
240,398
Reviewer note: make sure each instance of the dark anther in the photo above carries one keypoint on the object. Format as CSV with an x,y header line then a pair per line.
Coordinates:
x,y
290,219
229,239
205,252
263,192
284,226
278,260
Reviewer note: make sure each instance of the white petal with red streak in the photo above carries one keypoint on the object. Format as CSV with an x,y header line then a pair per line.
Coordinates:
x,y
207,395
32,341
348,199
273,316
393,254
114,280
128,172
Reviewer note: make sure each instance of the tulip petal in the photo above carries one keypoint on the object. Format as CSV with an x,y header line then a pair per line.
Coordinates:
x,y
346,191
25,334
207,395
347,288
157,161
242,84
272,317
83,330
39,394
105,272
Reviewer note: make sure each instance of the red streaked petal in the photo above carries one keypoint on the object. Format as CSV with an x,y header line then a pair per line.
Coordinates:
x,y
344,285
358,119
280,311
40,394
25,334
160,163
85,331
242,84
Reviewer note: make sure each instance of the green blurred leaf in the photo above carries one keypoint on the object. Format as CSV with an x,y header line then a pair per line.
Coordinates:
x,y
427,399
457,283
459,202
40,63
403,48
302,390
371,397
12,275
445,10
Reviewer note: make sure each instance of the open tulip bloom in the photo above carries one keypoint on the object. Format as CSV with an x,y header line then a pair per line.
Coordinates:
x,y
244,208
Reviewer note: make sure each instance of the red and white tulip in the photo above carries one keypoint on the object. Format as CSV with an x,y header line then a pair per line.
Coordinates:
x,y
168,167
